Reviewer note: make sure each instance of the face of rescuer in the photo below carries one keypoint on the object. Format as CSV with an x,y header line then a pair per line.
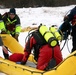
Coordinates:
x,y
12,13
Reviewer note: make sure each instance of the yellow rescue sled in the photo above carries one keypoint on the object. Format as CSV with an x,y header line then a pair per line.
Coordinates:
x,y
66,67
11,43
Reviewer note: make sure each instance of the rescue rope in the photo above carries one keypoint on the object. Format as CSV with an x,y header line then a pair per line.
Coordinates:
x,y
66,43
68,46
29,33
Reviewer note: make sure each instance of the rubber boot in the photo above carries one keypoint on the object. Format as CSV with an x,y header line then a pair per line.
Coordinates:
x,y
51,64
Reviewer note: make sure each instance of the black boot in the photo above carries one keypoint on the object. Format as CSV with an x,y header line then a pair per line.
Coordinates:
x,y
51,64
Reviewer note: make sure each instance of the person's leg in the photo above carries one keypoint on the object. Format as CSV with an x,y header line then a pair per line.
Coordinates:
x,y
4,49
16,57
45,56
57,54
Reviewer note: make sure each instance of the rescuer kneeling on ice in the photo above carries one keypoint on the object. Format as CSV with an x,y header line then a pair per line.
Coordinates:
x,y
46,48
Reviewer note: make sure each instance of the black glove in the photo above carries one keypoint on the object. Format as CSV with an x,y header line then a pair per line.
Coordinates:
x,y
23,63
16,36
66,34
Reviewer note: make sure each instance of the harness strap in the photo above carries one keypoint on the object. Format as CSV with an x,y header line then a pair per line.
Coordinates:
x,y
11,21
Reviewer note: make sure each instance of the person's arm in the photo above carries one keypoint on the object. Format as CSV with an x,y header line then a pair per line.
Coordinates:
x,y
17,32
65,27
27,50
18,25
71,14
18,28
2,26
4,49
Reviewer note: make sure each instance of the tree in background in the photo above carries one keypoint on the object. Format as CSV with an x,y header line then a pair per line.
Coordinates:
x,y
36,3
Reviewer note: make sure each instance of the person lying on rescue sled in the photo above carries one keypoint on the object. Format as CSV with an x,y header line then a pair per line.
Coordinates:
x,y
46,49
